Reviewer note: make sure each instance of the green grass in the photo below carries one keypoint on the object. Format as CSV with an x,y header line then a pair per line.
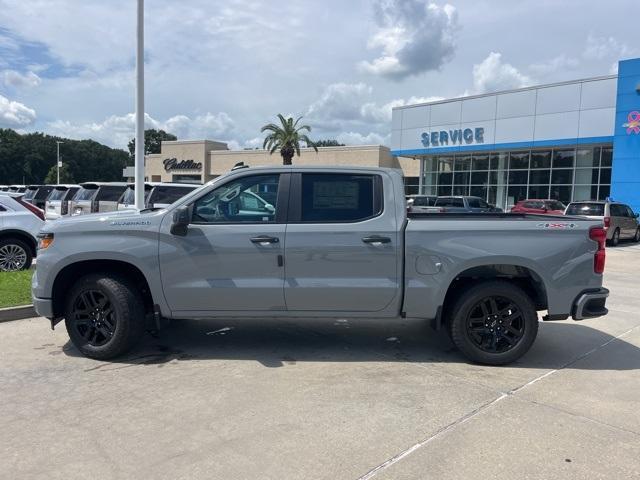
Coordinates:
x,y
15,288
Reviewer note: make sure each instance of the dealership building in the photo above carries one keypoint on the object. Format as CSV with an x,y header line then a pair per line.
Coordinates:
x,y
576,140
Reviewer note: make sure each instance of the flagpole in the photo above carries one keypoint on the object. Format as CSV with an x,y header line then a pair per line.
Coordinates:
x,y
139,153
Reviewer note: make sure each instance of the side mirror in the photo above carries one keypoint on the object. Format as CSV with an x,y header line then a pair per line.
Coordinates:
x,y
636,215
181,220
269,208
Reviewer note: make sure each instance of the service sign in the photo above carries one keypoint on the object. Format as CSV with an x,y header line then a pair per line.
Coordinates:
x,y
449,138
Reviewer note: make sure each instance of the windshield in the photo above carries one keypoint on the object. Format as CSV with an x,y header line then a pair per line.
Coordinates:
x,y
85,194
555,205
589,209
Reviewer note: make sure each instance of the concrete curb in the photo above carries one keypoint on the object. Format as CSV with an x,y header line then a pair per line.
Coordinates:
x,y
17,313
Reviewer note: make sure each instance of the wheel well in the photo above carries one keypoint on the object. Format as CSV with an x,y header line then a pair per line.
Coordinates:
x,y
71,273
20,235
523,277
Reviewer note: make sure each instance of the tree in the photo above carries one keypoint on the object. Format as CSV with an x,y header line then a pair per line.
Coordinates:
x,y
286,137
152,141
65,175
328,143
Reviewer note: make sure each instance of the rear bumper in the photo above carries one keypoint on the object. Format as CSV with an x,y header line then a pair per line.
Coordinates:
x,y
590,304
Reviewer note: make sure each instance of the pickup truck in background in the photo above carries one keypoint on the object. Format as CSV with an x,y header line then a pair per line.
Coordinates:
x,y
323,242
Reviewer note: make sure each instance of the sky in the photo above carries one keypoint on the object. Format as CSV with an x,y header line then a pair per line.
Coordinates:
x,y
220,70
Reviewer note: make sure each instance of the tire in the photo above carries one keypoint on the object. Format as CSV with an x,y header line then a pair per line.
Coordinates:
x,y
15,255
476,329
615,239
104,316
636,237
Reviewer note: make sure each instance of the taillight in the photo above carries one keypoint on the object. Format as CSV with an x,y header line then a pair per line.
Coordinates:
x,y
32,208
607,222
599,235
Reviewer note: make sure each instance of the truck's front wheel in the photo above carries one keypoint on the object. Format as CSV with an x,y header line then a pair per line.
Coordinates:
x,y
104,316
494,323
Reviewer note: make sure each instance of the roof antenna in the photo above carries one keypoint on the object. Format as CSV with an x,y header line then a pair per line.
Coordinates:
x,y
239,165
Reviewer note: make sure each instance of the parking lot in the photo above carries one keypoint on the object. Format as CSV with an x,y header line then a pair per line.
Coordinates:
x,y
287,399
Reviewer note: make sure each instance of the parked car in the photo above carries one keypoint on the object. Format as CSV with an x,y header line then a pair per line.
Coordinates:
x,y
156,195
462,204
422,203
350,250
619,220
20,222
57,203
17,188
4,188
37,195
547,206
97,197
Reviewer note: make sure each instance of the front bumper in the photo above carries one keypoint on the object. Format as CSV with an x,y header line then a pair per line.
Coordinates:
x,y
43,306
590,304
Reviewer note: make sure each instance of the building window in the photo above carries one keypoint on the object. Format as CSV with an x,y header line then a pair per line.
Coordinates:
x,y
503,178
156,178
411,185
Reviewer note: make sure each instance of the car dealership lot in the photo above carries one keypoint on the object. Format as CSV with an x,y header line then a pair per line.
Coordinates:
x,y
328,399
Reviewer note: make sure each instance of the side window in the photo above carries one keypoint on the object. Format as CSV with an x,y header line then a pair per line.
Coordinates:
x,y
2,209
629,212
239,201
110,194
474,202
483,204
328,197
616,211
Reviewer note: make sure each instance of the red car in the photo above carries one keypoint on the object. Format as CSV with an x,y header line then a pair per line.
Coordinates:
x,y
549,207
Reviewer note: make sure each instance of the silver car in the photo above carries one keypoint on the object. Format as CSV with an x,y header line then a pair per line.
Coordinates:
x,y
57,203
619,220
97,197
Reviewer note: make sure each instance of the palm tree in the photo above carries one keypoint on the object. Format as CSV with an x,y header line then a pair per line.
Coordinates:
x,y
287,138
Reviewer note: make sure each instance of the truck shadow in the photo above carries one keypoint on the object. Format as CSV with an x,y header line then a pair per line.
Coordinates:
x,y
281,342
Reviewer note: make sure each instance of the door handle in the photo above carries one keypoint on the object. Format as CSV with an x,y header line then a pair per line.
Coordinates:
x,y
376,240
264,239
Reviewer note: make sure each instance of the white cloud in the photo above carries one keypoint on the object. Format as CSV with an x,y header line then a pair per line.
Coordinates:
x,y
117,130
355,138
13,78
605,48
340,102
413,36
561,63
492,74
15,114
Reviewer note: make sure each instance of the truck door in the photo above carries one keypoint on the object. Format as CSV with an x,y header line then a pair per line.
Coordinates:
x,y
342,244
232,256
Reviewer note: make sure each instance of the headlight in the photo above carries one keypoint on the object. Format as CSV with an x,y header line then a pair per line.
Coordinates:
x,y
45,240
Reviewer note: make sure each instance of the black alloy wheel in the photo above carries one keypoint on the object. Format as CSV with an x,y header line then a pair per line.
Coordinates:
x,y
495,324
94,317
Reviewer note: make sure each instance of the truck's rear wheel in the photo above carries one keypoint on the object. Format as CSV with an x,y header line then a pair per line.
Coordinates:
x,y
494,323
104,316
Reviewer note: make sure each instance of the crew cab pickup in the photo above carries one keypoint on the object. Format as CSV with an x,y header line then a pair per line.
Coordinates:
x,y
317,242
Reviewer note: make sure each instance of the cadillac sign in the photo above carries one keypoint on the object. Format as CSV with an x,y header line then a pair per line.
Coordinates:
x,y
459,136
175,164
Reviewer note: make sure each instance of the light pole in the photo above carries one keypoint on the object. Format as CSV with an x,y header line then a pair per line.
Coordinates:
x,y
58,163
139,154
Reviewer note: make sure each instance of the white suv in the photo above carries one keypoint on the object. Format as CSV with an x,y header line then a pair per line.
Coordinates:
x,y
20,223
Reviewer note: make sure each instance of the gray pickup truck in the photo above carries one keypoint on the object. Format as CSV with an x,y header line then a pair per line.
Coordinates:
x,y
317,242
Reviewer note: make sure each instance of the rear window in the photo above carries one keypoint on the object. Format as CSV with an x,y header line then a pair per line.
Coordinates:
x,y
29,193
555,205
340,197
589,209
57,194
449,202
85,193
110,193
43,193
168,195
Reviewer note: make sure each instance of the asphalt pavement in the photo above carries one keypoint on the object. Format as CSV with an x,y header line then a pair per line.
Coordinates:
x,y
347,399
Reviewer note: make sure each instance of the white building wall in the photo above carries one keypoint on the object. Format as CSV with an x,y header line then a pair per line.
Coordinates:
x,y
569,111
